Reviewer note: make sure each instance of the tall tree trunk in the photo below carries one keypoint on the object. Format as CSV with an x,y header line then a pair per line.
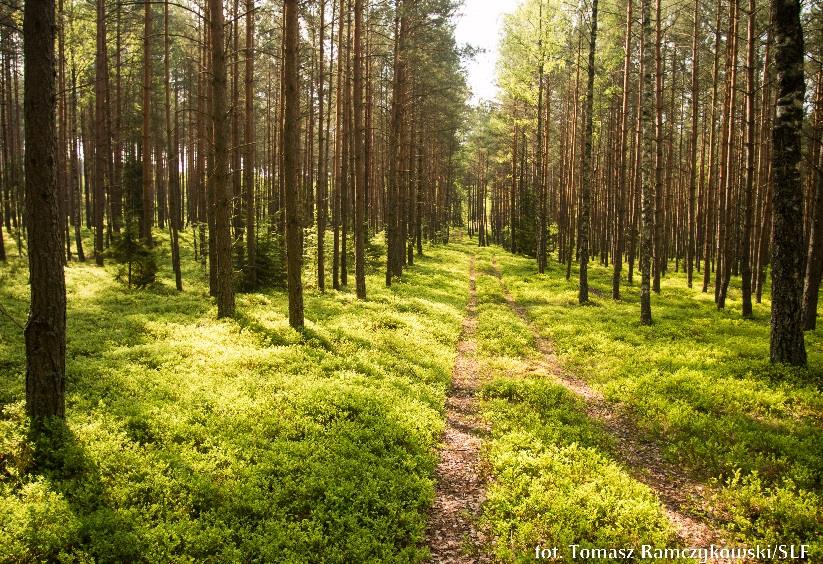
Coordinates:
x,y
617,261
45,332
659,254
814,260
251,153
148,196
291,161
116,182
322,200
74,169
538,155
361,188
173,160
695,102
787,345
748,211
100,137
646,157
392,194
219,172
586,171
338,153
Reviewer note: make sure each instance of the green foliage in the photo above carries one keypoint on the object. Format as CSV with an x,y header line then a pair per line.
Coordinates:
x,y
700,381
138,260
553,480
191,439
270,264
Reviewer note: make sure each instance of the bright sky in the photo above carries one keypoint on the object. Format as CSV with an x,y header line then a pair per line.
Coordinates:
x,y
478,24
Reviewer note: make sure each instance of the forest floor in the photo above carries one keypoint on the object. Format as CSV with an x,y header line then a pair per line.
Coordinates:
x,y
471,412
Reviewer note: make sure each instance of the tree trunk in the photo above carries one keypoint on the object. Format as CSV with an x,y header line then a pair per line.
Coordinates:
x,y
148,196
622,192
219,176
100,137
695,102
322,200
787,344
361,188
748,212
586,171
646,157
251,154
45,332
814,260
291,162
173,161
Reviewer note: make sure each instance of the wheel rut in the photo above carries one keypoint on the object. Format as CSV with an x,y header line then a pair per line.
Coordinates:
x,y
453,534
642,458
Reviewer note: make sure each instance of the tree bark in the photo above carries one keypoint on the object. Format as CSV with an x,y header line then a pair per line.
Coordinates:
x,y
148,196
617,261
748,196
173,160
814,260
291,162
586,171
100,137
361,188
219,173
251,153
322,200
786,343
45,332
646,156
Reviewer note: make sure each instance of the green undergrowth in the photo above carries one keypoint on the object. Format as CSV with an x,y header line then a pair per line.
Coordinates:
x,y
700,380
192,439
553,482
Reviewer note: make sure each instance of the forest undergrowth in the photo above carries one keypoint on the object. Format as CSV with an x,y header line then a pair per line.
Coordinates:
x,y
191,438
697,381
233,440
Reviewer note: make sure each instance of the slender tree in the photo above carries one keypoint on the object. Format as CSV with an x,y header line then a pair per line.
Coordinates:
x,y
586,180
291,162
249,160
147,217
361,188
646,156
173,180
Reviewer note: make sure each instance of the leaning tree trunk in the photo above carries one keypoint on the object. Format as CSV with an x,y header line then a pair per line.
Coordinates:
x,y
45,332
787,344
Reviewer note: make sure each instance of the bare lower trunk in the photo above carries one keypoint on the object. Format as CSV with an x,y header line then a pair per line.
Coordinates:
x,y
787,345
222,199
291,140
45,332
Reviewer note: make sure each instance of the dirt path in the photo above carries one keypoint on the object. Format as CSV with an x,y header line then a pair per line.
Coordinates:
x,y
643,459
453,534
